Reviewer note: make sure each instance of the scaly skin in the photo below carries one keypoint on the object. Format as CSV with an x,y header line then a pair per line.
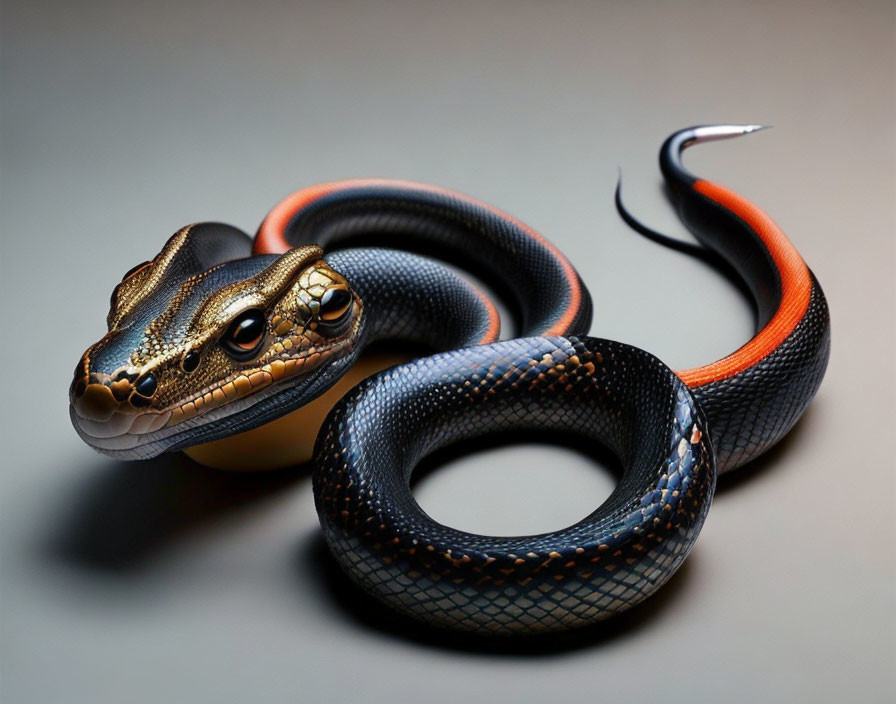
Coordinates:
x,y
217,335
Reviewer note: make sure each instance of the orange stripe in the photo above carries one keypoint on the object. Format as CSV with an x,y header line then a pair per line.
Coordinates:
x,y
494,320
271,237
796,288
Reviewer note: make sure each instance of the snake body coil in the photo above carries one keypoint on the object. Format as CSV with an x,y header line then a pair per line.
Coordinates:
x,y
210,339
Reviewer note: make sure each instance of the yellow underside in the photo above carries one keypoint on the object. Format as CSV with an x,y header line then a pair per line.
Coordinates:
x,y
289,440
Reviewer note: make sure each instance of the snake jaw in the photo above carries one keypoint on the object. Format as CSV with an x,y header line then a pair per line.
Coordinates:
x,y
126,435
116,427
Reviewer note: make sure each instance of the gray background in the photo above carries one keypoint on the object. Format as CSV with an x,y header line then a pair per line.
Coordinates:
x,y
165,581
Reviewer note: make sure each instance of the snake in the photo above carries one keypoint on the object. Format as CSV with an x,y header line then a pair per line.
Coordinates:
x,y
222,332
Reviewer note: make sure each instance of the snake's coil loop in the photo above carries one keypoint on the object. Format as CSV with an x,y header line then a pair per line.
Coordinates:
x,y
609,561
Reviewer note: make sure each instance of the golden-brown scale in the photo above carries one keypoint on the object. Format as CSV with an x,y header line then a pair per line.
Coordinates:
x,y
294,346
179,350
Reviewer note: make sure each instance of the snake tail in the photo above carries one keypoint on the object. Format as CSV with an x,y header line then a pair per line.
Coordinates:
x,y
753,396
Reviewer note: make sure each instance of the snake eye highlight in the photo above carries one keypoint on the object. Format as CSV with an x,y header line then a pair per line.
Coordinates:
x,y
245,335
190,361
334,305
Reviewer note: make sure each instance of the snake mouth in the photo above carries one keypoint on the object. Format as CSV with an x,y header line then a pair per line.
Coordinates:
x,y
243,384
121,424
120,431
124,434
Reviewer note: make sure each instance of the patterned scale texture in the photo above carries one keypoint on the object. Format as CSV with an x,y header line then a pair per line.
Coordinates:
x,y
619,396
751,412
412,298
404,296
523,268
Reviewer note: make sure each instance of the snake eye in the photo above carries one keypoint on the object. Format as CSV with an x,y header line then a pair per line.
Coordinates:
x,y
190,361
245,335
335,305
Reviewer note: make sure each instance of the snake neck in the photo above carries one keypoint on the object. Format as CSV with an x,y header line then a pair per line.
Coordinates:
x,y
417,300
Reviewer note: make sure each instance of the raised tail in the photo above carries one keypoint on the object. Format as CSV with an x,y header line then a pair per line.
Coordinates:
x,y
754,395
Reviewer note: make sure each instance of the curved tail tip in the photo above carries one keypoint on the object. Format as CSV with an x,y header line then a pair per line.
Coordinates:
x,y
711,132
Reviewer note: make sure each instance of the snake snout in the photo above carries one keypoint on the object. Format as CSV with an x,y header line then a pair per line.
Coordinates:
x,y
98,396
96,403
93,398
110,411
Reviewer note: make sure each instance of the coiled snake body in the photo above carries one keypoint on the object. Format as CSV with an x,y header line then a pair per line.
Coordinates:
x,y
210,339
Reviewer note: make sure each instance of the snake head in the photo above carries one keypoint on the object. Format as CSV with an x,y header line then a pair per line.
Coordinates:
x,y
205,337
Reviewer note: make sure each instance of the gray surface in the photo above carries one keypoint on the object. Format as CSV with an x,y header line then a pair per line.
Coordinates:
x,y
167,582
